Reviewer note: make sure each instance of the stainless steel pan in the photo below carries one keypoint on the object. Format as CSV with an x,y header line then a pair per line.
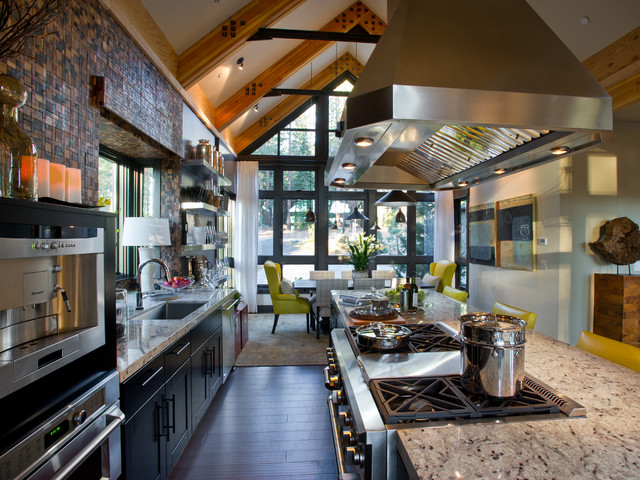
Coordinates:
x,y
382,336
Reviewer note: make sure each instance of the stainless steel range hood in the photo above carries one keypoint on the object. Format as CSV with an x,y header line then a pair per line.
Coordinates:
x,y
456,90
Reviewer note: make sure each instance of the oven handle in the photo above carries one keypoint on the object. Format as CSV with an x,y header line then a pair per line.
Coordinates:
x,y
117,417
342,472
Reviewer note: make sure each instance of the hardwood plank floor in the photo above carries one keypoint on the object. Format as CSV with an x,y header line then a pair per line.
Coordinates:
x,y
266,423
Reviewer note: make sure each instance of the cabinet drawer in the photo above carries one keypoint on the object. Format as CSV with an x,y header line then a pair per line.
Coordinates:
x,y
201,332
136,390
175,355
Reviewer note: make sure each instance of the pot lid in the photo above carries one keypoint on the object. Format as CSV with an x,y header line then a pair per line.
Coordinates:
x,y
382,330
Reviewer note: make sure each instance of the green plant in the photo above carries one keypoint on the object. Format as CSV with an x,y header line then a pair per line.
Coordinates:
x,y
363,249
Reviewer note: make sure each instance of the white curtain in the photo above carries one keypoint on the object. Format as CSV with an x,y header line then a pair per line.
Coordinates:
x,y
245,238
444,227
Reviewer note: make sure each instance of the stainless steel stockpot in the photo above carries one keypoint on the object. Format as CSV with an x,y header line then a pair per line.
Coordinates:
x,y
382,336
492,353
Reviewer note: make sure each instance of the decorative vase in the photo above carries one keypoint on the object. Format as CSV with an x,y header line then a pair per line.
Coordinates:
x,y
360,274
18,154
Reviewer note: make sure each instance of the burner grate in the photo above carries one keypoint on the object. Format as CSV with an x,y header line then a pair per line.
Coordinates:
x,y
424,338
416,399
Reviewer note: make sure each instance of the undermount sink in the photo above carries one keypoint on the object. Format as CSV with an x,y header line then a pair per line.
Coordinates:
x,y
170,311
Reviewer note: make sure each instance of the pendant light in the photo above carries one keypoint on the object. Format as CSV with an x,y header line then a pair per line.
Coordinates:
x,y
400,218
397,198
356,215
375,227
310,217
335,226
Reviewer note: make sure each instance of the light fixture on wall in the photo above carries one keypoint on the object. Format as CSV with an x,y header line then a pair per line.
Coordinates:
x,y
310,217
240,63
146,233
400,218
397,198
356,215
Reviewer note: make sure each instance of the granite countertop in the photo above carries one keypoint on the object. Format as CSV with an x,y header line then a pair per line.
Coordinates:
x,y
603,445
146,339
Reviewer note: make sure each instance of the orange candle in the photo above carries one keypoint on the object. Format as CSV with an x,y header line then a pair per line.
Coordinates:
x,y
43,178
57,179
73,185
28,166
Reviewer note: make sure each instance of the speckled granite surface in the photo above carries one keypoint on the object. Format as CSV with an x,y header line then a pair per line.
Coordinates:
x,y
604,445
148,338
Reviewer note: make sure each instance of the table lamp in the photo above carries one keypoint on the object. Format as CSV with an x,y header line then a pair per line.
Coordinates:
x,y
146,233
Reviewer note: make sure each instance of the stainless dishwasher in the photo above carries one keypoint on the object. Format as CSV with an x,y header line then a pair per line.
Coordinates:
x,y
228,339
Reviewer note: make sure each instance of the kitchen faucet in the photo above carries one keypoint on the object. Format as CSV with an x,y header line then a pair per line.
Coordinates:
x,y
167,273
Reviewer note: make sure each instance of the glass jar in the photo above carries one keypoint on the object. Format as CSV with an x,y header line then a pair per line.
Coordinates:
x,y
204,151
18,154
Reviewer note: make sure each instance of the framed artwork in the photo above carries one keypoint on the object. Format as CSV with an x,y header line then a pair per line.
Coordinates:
x,y
482,228
515,219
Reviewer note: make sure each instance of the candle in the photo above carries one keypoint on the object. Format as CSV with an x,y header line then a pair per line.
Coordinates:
x,y
28,166
43,178
73,187
57,181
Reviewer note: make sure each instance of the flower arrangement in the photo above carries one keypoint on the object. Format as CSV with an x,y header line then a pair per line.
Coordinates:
x,y
363,249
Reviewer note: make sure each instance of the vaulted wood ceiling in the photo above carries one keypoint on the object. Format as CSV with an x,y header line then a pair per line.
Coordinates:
x,y
204,69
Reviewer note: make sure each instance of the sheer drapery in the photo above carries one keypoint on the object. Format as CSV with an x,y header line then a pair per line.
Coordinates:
x,y
444,227
245,238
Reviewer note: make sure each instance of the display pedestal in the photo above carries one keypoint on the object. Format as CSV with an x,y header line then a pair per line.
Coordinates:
x,y
616,307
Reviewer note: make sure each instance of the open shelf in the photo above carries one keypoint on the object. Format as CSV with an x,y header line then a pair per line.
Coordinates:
x,y
202,208
189,250
203,169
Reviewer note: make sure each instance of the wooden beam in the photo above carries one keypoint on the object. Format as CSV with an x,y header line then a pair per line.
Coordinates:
x,y
136,20
346,62
617,68
208,52
252,92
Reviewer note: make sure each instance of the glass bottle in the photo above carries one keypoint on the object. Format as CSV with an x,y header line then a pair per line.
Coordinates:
x,y
18,154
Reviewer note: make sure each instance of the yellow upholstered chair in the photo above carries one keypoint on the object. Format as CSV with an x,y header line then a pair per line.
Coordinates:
x,y
445,270
618,352
283,303
504,309
456,294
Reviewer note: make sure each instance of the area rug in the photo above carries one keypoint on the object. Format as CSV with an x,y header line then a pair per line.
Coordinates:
x,y
290,345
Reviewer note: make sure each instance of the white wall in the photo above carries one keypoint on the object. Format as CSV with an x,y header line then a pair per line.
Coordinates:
x,y
535,291
574,197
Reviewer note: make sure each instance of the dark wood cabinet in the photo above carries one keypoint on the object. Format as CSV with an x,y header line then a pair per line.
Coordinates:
x,y
177,409
241,326
206,374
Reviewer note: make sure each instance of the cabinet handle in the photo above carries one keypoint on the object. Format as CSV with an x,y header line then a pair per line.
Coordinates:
x,y
184,347
206,354
171,425
231,305
146,382
162,408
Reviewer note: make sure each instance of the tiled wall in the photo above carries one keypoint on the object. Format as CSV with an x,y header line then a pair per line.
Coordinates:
x,y
63,119
59,114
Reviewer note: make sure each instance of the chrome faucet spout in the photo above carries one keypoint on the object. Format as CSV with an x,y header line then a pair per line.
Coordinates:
x,y
167,274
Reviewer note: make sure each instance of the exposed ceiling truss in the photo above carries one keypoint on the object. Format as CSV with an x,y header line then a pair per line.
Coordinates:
x,y
271,33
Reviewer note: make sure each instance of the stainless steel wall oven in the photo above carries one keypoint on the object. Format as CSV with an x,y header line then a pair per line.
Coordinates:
x,y
59,388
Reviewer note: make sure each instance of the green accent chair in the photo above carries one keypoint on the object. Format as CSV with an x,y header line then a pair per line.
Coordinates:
x,y
618,352
445,270
504,309
456,294
283,303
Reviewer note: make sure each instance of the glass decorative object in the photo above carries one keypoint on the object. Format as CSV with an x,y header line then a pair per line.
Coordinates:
x,y
18,154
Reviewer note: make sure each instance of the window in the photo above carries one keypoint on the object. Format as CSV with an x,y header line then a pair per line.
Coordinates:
x,y
298,138
127,188
460,206
265,227
392,235
339,228
298,235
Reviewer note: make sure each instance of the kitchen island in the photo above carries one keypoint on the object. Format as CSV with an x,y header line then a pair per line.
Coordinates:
x,y
603,445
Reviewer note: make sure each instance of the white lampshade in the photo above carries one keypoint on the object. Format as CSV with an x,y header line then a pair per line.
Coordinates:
x,y
146,232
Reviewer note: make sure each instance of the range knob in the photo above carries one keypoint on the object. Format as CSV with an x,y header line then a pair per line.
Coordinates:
x,y
337,397
79,417
55,245
331,353
344,419
331,381
354,456
333,369
348,436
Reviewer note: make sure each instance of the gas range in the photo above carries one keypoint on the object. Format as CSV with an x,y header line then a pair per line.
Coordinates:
x,y
374,394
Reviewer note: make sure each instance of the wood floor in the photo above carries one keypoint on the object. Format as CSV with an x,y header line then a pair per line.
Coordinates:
x,y
268,423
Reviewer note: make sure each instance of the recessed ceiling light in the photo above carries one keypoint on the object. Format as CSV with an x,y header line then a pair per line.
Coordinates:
x,y
364,141
462,183
584,20
499,171
339,180
240,63
560,150
349,166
